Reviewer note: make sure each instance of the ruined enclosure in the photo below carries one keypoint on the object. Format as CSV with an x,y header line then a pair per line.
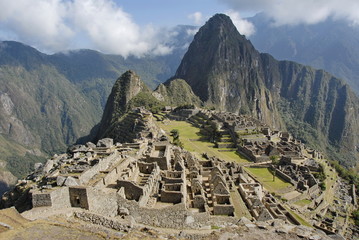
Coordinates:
x,y
78,197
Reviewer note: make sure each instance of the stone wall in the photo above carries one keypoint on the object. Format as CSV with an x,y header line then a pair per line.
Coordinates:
x,y
79,197
102,165
132,190
123,225
61,198
112,176
102,202
285,177
175,216
41,199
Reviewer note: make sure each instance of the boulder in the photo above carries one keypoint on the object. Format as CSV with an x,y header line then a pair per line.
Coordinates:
x,y
105,142
38,167
48,166
60,180
90,145
123,211
70,181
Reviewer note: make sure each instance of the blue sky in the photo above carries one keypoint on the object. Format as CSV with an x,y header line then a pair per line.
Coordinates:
x,y
139,27
170,12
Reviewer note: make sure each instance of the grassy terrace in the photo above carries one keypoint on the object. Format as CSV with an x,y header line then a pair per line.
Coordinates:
x,y
191,139
264,176
303,202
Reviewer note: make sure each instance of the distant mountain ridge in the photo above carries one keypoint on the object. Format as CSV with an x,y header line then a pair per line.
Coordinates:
x,y
332,45
49,101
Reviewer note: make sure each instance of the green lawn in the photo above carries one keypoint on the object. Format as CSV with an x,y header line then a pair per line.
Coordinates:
x,y
303,202
264,176
191,139
300,219
240,208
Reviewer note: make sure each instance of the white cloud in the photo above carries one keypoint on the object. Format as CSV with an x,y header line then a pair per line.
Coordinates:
x,y
196,17
243,26
40,21
57,25
303,11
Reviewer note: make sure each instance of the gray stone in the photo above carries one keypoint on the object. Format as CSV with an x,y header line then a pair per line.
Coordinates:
x,y
105,142
262,225
70,181
60,180
90,145
244,221
250,225
78,148
315,237
48,166
189,220
302,231
123,212
38,166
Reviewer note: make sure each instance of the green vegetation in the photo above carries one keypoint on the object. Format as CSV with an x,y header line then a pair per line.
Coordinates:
x,y
195,142
20,166
176,141
240,208
356,217
213,227
178,93
348,174
303,202
265,176
274,159
299,218
145,99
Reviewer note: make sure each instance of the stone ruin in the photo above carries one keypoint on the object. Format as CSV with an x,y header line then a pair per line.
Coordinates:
x,y
154,182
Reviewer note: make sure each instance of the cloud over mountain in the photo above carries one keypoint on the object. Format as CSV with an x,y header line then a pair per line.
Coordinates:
x,y
55,25
304,11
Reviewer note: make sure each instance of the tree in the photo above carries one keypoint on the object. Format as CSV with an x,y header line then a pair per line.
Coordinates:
x,y
175,134
274,159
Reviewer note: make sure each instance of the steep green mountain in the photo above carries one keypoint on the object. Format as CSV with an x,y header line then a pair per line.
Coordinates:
x,y
175,93
119,120
226,72
332,45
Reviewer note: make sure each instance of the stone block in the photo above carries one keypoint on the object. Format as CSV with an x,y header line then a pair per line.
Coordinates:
x,y
123,212
70,181
48,166
90,145
105,142
60,180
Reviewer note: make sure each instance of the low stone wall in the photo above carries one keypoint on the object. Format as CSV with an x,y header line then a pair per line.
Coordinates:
x,y
61,198
123,225
175,216
101,166
101,202
40,199
285,177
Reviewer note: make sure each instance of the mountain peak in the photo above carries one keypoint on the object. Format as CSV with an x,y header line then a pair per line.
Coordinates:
x,y
126,87
217,48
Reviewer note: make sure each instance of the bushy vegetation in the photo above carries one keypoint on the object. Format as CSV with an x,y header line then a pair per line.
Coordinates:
x,y
348,174
145,99
175,135
356,217
20,166
184,106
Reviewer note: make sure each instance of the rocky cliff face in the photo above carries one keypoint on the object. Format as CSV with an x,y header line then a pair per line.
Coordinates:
x,y
119,120
225,71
